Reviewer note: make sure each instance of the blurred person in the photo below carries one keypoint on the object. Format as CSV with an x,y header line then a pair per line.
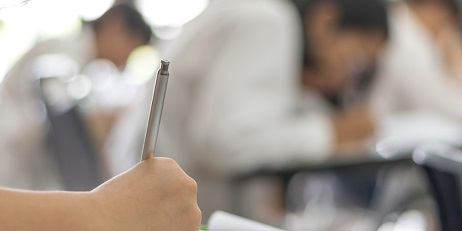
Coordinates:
x,y
24,160
155,194
239,100
343,40
419,89
421,69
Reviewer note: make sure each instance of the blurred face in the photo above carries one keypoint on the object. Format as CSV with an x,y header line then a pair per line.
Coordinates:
x,y
115,42
342,58
357,50
340,53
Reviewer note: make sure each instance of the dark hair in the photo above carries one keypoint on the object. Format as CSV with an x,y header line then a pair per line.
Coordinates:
x,y
131,18
364,15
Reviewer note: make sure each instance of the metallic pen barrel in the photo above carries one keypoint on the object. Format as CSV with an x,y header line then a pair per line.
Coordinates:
x,y
155,114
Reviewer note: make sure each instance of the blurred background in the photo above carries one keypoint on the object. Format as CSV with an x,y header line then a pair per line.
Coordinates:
x,y
52,60
25,26
303,114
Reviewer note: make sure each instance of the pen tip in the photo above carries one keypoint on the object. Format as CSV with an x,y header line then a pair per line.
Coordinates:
x,y
164,65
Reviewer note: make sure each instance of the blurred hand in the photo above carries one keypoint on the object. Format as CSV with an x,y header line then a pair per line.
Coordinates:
x,y
353,126
154,195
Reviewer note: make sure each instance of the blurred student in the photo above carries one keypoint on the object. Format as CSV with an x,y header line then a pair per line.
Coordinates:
x,y
343,40
24,161
241,97
421,70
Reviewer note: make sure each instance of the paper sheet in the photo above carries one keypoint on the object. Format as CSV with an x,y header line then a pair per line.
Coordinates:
x,y
222,221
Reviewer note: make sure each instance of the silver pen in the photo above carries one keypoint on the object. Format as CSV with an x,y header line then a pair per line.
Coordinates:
x,y
155,114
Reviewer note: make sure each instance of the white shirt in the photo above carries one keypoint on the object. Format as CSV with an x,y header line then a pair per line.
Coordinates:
x,y
233,100
413,76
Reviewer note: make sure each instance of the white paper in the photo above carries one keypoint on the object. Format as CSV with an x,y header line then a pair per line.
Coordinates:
x,y
222,221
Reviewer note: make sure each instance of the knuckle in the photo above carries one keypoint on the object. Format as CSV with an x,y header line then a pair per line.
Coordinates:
x,y
194,217
169,161
197,215
191,185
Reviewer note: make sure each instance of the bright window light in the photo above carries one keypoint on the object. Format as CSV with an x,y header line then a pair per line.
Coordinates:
x,y
54,18
90,9
39,20
170,13
17,35
141,65
11,3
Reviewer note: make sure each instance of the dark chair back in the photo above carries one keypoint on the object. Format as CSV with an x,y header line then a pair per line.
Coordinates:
x,y
443,168
72,147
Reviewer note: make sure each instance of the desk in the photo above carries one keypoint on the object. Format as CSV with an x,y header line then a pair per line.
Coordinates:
x,y
372,160
359,163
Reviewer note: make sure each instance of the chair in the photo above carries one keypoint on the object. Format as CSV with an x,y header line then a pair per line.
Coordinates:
x,y
70,143
68,138
443,167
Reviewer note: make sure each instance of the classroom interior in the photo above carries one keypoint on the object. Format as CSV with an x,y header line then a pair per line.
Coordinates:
x,y
306,115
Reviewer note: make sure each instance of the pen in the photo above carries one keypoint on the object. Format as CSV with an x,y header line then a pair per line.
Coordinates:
x,y
155,114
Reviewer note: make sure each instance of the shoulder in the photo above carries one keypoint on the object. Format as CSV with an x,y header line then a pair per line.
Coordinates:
x,y
270,12
248,12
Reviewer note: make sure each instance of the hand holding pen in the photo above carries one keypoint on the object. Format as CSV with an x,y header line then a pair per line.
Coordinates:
x,y
150,141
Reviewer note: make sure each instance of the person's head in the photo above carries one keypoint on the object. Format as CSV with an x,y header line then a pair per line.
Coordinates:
x,y
118,32
342,39
436,14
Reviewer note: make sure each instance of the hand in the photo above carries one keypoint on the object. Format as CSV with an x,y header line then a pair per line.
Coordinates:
x,y
154,195
353,126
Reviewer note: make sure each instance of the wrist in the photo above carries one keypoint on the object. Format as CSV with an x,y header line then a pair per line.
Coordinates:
x,y
99,213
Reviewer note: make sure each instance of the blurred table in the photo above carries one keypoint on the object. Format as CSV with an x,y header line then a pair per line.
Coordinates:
x,y
360,164
372,160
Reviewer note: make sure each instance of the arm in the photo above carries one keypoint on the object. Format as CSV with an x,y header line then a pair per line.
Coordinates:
x,y
154,195
21,210
353,126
